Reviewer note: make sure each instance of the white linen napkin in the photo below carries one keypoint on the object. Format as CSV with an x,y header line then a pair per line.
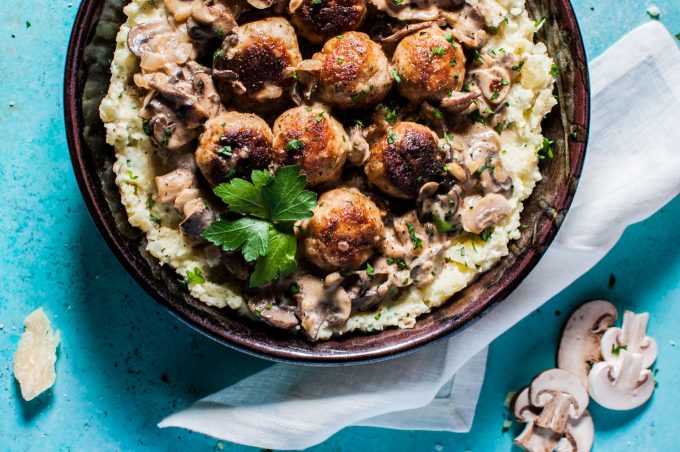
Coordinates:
x,y
632,169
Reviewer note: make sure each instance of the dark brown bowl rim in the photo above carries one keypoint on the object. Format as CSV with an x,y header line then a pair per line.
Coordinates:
x,y
108,229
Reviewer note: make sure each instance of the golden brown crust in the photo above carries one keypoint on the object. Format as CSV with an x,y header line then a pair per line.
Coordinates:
x,y
404,158
318,22
311,138
344,232
430,65
248,142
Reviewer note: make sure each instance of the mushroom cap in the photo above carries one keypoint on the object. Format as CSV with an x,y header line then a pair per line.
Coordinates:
x,y
631,336
562,396
321,305
479,213
322,20
315,140
621,385
580,343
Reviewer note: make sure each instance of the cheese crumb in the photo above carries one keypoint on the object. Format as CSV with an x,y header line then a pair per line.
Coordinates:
x,y
36,355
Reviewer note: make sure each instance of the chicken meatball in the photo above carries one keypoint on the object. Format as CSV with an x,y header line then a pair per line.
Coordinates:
x,y
256,62
318,21
344,232
312,138
354,71
233,144
430,64
405,158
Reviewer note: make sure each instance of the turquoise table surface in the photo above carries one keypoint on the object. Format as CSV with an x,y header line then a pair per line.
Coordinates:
x,y
124,362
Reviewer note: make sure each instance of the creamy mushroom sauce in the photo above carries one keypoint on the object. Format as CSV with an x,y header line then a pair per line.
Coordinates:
x,y
427,143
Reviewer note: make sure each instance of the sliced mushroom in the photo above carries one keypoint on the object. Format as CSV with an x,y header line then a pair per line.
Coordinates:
x,y
631,337
578,436
493,82
180,9
278,316
479,213
580,344
321,305
562,397
622,384
261,4
171,184
409,29
198,217
458,102
467,26
139,36
360,150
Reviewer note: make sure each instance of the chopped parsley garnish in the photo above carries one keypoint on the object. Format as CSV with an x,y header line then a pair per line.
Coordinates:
x,y
132,175
401,264
499,127
554,70
539,23
546,150
395,75
494,95
295,145
448,137
392,136
518,67
398,2
437,51
379,313
477,57
195,276
453,61
319,117
390,260
485,235
167,133
476,116
316,2
441,224
226,151
154,219
370,271
466,88
616,349
437,114
269,206
405,281
150,202
504,82
145,128
219,32
417,242
218,53
294,288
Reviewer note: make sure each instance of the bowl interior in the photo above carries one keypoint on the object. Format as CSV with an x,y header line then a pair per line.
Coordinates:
x,y
86,82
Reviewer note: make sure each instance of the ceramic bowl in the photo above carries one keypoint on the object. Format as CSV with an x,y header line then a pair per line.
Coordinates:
x,y
86,81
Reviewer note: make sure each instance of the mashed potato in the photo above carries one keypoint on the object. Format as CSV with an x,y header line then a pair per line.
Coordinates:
x,y
529,101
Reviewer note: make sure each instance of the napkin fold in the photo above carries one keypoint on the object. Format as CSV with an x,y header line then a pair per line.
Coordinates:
x,y
632,169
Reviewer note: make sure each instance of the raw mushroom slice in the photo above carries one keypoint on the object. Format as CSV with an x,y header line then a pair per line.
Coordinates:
x,y
630,337
578,436
321,304
623,384
580,344
479,213
562,397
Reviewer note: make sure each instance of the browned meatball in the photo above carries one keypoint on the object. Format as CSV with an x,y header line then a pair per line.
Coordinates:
x,y
312,138
354,71
404,158
430,65
233,144
344,232
260,62
318,21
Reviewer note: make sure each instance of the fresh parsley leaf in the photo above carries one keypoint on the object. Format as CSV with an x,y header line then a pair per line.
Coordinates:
x,y
243,197
260,178
442,225
417,242
286,196
295,145
195,276
279,261
395,75
249,235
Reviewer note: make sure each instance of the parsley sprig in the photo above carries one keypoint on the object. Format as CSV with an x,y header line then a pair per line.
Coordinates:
x,y
267,207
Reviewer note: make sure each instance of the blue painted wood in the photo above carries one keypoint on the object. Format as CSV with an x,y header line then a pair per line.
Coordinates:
x,y
124,363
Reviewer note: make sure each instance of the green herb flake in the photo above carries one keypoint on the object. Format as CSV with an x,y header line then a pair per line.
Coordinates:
x,y
401,264
226,151
518,67
441,224
616,349
466,88
392,136
437,114
316,2
294,288
390,260
539,23
395,75
195,276
150,202
477,57
417,242
546,149
218,53
494,95
370,271
154,219
485,235
295,145
554,70
398,2
437,51
132,175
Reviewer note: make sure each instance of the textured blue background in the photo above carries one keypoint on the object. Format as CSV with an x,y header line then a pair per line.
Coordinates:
x,y
124,363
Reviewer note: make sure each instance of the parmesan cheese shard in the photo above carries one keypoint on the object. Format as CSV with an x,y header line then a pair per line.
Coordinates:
x,y
36,355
